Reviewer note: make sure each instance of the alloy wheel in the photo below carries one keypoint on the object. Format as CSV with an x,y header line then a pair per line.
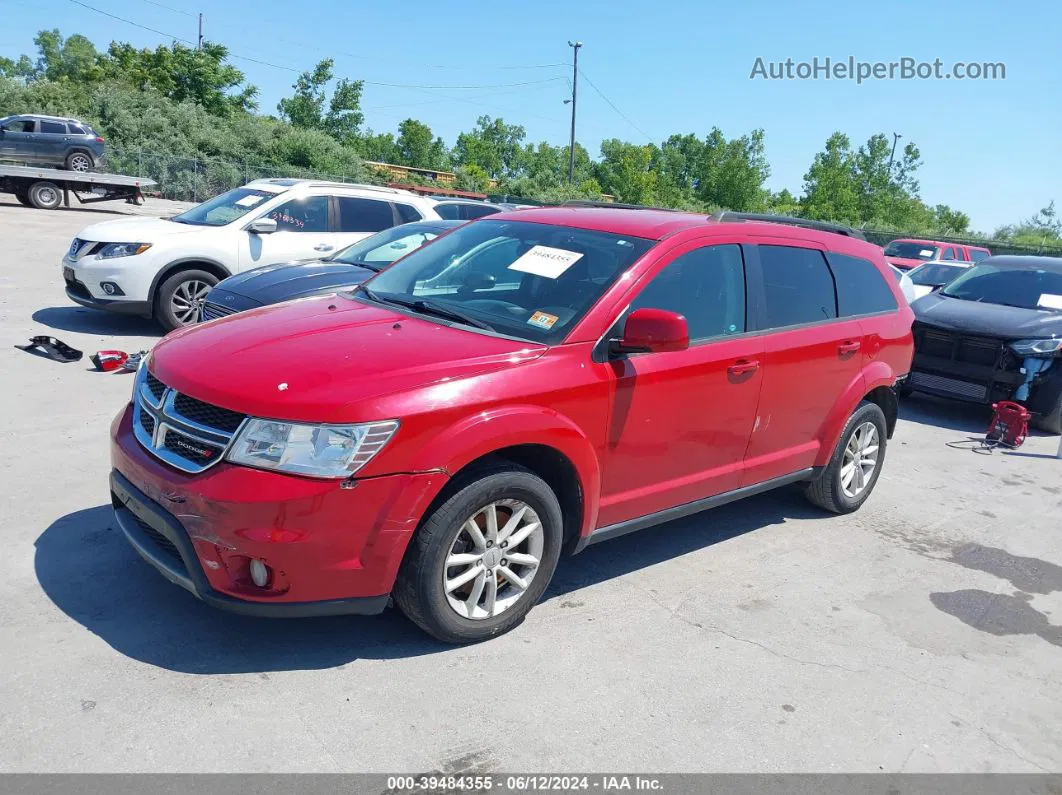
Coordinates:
x,y
187,300
493,559
80,162
860,459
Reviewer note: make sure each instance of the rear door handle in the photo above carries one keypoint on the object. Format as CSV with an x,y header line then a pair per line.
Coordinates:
x,y
742,366
323,247
849,347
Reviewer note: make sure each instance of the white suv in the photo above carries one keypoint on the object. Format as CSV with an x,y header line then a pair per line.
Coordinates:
x,y
164,267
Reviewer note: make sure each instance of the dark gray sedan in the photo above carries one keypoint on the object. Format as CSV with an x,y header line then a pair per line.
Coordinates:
x,y
353,265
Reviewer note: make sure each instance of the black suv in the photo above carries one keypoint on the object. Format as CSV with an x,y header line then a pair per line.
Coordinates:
x,y
50,140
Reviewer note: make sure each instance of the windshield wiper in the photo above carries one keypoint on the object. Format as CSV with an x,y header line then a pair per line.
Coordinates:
x,y
355,263
427,308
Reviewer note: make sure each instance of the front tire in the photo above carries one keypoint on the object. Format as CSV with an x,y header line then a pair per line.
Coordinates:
x,y
180,298
483,558
850,476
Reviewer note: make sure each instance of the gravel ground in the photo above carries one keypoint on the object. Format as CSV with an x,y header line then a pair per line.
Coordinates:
x,y
923,633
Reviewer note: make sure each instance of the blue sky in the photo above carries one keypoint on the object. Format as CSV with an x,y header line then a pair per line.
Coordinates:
x,y
991,148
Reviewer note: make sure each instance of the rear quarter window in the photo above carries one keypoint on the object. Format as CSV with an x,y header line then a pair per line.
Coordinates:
x,y
861,288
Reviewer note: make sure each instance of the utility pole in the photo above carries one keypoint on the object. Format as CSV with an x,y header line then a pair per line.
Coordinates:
x,y
895,137
575,45
200,47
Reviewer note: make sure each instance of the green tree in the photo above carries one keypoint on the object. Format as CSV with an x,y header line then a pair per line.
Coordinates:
x,y
625,171
472,177
830,188
306,107
22,68
416,146
183,74
74,59
494,146
949,221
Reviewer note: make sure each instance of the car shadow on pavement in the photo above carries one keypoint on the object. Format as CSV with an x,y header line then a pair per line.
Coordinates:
x,y
942,413
94,321
90,572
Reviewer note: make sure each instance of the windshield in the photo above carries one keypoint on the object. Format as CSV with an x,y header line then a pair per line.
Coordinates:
x,y
224,209
1029,288
935,275
387,246
526,280
911,249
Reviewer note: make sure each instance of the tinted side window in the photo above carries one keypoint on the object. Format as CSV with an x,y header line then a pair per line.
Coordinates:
x,y
364,215
308,214
861,289
475,211
450,212
408,213
53,127
20,125
706,286
76,129
949,253
798,286
978,254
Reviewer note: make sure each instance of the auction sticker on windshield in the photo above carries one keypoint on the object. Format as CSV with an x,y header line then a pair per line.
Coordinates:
x,y
1049,301
543,320
249,201
546,261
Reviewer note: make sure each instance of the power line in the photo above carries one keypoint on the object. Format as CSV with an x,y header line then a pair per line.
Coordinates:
x,y
619,112
170,8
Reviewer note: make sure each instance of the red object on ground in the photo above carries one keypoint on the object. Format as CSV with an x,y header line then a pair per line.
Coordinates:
x,y
109,360
1009,425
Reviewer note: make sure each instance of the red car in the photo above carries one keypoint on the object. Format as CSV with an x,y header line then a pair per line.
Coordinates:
x,y
907,253
530,382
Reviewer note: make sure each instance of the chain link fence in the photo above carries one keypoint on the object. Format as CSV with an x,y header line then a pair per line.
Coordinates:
x,y
195,179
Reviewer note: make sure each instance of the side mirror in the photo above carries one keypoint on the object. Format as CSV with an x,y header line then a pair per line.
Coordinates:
x,y
262,226
652,331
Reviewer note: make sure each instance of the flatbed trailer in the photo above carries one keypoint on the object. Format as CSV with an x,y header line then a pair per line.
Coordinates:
x,y
49,188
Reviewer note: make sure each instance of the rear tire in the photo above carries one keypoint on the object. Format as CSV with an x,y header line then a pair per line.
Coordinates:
x,y
78,161
845,484
180,297
45,195
489,604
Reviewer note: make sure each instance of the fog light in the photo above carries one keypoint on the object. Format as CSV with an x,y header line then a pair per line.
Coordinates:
x,y
259,573
111,288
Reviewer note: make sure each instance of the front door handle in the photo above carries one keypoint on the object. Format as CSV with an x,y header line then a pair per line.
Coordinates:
x,y
849,347
323,247
742,366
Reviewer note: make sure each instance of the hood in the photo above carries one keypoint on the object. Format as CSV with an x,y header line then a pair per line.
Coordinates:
x,y
994,320
905,263
324,359
136,230
275,283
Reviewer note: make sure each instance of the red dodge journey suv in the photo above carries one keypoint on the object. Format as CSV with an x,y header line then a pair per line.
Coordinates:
x,y
529,382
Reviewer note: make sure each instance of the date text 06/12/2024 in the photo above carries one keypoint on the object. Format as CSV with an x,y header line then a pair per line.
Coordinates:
x,y
521,783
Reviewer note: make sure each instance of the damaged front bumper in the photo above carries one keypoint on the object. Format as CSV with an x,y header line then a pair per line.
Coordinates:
x,y
982,369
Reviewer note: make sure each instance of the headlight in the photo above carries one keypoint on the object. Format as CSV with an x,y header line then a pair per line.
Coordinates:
x,y
1045,347
122,250
321,451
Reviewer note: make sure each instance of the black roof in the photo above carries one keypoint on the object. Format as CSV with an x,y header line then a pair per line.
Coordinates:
x,y
1025,262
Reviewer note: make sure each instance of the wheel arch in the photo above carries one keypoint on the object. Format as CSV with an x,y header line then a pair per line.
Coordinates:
x,y
538,439
874,383
186,264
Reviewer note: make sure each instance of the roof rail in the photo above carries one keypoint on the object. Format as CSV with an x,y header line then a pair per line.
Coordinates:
x,y
615,205
358,185
806,223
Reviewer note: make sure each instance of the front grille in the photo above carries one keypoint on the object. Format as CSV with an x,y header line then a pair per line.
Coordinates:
x,y
178,429
155,387
949,386
957,347
211,311
205,414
